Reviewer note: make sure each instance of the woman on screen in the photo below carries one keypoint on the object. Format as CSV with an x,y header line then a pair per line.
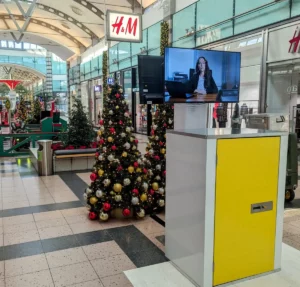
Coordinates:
x,y
202,82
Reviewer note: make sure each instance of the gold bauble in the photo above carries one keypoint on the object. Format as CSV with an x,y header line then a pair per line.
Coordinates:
x,y
131,169
99,133
155,186
93,200
163,151
103,216
143,197
117,187
110,139
165,136
100,172
117,107
137,153
139,179
124,154
138,169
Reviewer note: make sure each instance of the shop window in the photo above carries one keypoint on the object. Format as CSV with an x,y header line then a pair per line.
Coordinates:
x,y
95,67
124,52
154,39
41,65
11,44
139,48
113,59
184,27
204,19
295,8
262,17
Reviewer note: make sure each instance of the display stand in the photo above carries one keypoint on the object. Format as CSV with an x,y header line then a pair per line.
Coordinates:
x,y
225,203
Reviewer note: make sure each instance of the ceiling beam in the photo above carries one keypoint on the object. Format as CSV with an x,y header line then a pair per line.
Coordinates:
x,y
91,7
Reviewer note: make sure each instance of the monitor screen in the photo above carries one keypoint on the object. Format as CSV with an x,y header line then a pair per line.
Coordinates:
x,y
202,76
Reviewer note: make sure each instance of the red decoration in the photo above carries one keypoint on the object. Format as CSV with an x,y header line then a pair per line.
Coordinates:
x,y
118,96
101,122
165,172
156,157
145,170
136,164
70,147
106,206
11,83
94,145
135,191
92,215
165,125
112,130
119,168
93,177
83,147
113,148
97,154
126,212
136,141
102,141
161,143
120,122
151,191
152,132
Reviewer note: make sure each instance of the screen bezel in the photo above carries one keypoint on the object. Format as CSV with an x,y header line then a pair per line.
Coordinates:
x,y
201,102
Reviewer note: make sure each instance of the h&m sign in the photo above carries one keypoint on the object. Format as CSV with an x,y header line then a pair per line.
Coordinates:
x,y
123,27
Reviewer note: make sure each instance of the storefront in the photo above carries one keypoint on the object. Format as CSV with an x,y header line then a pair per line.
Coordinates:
x,y
283,73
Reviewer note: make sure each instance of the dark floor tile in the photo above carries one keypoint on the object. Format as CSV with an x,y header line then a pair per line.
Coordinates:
x,y
161,239
93,237
139,258
156,256
15,211
60,243
8,170
8,163
22,250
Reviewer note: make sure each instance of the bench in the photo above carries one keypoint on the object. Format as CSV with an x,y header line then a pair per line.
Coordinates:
x,y
72,160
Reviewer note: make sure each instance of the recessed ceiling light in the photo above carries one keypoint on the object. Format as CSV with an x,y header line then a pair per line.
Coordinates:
x,y
76,10
65,25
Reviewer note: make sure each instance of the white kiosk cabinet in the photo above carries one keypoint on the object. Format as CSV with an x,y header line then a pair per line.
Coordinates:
x,y
225,203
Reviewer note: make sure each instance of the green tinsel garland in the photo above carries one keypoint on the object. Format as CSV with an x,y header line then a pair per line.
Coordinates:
x,y
164,37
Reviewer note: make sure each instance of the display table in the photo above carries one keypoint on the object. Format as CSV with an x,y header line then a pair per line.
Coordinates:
x,y
225,202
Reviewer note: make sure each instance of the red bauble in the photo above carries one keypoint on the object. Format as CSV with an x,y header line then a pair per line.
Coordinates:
x,y
93,177
136,141
136,164
118,96
135,191
101,122
145,170
119,168
165,172
112,130
156,157
101,141
126,212
106,206
151,191
165,125
97,154
92,215
113,148
152,132
120,122
161,143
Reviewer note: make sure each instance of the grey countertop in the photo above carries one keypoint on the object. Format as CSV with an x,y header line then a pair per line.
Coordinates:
x,y
227,133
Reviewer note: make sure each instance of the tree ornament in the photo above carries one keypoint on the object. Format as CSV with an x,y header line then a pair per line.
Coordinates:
x,y
157,157
99,133
118,198
126,115
85,197
161,143
126,212
141,213
170,121
123,135
134,200
156,138
128,130
135,191
93,200
103,216
110,123
102,129
145,186
161,191
92,215
119,168
112,130
99,193
165,125
126,181
112,193
120,122
134,147
110,139
102,141
93,177
155,186
136,141
110,157
106,206
100,172
151,151
164,112
117,187
88,207
151,192
154,127
158,178
101,122
130,169
117,107
145,170
111,112
138,170
106,182
124,154
163,151
118,96
164,173
135,164
143,197
88,191
101,157
127,145
161,202
139,179
104,149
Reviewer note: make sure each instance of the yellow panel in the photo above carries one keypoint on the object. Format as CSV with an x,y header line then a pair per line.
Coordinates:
x,y
247,173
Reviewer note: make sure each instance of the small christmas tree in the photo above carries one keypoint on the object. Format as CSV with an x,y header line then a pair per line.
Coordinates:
x,y
21,113
80,130
36,111
119,179
163,119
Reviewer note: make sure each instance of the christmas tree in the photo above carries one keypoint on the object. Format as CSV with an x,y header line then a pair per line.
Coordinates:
x,y
21,113
119,180
163,119
80,132
36,111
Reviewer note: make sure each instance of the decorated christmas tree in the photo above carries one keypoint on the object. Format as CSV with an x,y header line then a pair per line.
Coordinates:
x,y
36,111
119,185
21,113
163,119
80,132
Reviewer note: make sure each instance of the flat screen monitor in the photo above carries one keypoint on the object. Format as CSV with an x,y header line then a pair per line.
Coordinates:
x,y
201,76
151,79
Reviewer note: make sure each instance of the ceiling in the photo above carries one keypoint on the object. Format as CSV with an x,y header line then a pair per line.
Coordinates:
x,y
65,27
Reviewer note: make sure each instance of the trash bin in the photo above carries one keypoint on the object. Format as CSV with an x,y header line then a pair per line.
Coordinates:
x,y
45,158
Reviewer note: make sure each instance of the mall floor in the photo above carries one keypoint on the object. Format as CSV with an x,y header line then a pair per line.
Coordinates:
x,y
47,240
